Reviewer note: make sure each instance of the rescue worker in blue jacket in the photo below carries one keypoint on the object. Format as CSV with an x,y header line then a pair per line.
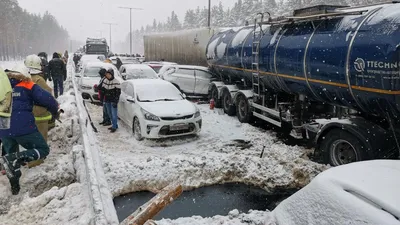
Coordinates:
x,y
23,130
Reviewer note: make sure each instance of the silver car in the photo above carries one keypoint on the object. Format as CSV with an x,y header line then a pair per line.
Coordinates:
x,y
191,80
137,71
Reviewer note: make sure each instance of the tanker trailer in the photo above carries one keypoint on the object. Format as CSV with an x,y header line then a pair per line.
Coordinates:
x,y
329,74
185,47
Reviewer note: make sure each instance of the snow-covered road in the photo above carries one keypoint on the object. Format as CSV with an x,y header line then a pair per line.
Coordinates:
x,y
212,157
225,151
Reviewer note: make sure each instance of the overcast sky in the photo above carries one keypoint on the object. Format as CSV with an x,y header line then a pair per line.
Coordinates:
x,y
85,18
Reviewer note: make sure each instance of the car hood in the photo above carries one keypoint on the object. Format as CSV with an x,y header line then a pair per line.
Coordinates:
x,y
90,81
169,108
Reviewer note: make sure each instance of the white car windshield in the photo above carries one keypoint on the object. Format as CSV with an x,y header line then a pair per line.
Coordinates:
x,y
140,74
92,72
159,92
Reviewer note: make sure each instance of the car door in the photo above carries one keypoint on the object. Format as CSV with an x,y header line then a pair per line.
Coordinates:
x,y
123,102
129,105
203,79
185,79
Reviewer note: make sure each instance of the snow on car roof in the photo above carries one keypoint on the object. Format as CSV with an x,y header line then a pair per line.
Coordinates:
x,y
137,66
100,64
148,82
192,67
363,191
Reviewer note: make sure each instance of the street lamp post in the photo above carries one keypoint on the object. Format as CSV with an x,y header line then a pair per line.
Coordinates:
x,y
209,13
130,24
110,24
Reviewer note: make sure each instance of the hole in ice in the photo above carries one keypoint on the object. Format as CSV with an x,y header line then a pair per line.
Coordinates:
x,y
206,201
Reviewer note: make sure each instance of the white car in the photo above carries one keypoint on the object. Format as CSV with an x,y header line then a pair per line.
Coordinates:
x,y
89,77
191,80
89,58
357,193
155,108
156,65
137,71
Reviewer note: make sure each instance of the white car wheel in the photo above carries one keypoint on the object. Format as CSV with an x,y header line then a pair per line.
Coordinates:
x,y
137,132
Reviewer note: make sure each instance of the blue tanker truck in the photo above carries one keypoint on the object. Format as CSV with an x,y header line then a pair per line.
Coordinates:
x,y
329,74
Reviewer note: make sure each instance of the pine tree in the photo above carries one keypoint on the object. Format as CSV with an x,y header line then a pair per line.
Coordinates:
x,y
175,24
154,28
190,20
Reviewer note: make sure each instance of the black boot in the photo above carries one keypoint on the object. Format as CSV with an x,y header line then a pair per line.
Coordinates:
x,y
12,165
102,122
15,187
107,123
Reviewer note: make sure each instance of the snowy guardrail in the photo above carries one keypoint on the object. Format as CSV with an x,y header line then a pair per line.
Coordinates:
x,y
100,194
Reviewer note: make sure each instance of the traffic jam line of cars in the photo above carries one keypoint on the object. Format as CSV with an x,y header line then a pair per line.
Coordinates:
x,y
153,105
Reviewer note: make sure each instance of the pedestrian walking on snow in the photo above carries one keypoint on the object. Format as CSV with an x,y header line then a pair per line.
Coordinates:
x,y
42,116
45,65
119,63
58,73
112,91
23,130
106,118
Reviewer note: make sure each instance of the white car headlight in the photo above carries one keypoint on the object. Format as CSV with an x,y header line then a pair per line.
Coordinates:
x,y
197,114
85,87
149,116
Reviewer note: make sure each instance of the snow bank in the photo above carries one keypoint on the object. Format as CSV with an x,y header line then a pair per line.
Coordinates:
x,y
364,192
234,218
212,157
50,193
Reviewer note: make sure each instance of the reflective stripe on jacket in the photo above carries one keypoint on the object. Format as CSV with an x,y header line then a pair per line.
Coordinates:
x,y
43,118
41,113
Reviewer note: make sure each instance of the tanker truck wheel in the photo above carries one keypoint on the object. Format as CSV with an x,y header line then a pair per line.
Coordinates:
x,y
213,94
341,147
243,111
227,103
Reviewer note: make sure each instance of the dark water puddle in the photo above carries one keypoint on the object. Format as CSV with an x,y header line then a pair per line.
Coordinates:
x,y
205,202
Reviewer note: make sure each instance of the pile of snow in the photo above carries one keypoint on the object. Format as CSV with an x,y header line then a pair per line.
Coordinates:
x,y
363,192
51,193
234,218
212,157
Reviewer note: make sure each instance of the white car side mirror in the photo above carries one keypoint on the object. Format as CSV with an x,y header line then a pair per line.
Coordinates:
x,y
130,99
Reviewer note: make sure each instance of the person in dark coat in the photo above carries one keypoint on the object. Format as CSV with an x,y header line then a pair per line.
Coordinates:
x,y
112,91
45,65
23,130
119,63
58,73
106,118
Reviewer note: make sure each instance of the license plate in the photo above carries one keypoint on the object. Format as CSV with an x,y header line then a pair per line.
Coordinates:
x,y
181,126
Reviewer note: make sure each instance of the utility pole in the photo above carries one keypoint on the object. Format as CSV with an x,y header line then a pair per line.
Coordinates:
x,y
110,24
209,14
130,23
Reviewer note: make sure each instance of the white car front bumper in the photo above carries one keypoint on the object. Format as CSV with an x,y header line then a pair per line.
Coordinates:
x,y
169,127
89,94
